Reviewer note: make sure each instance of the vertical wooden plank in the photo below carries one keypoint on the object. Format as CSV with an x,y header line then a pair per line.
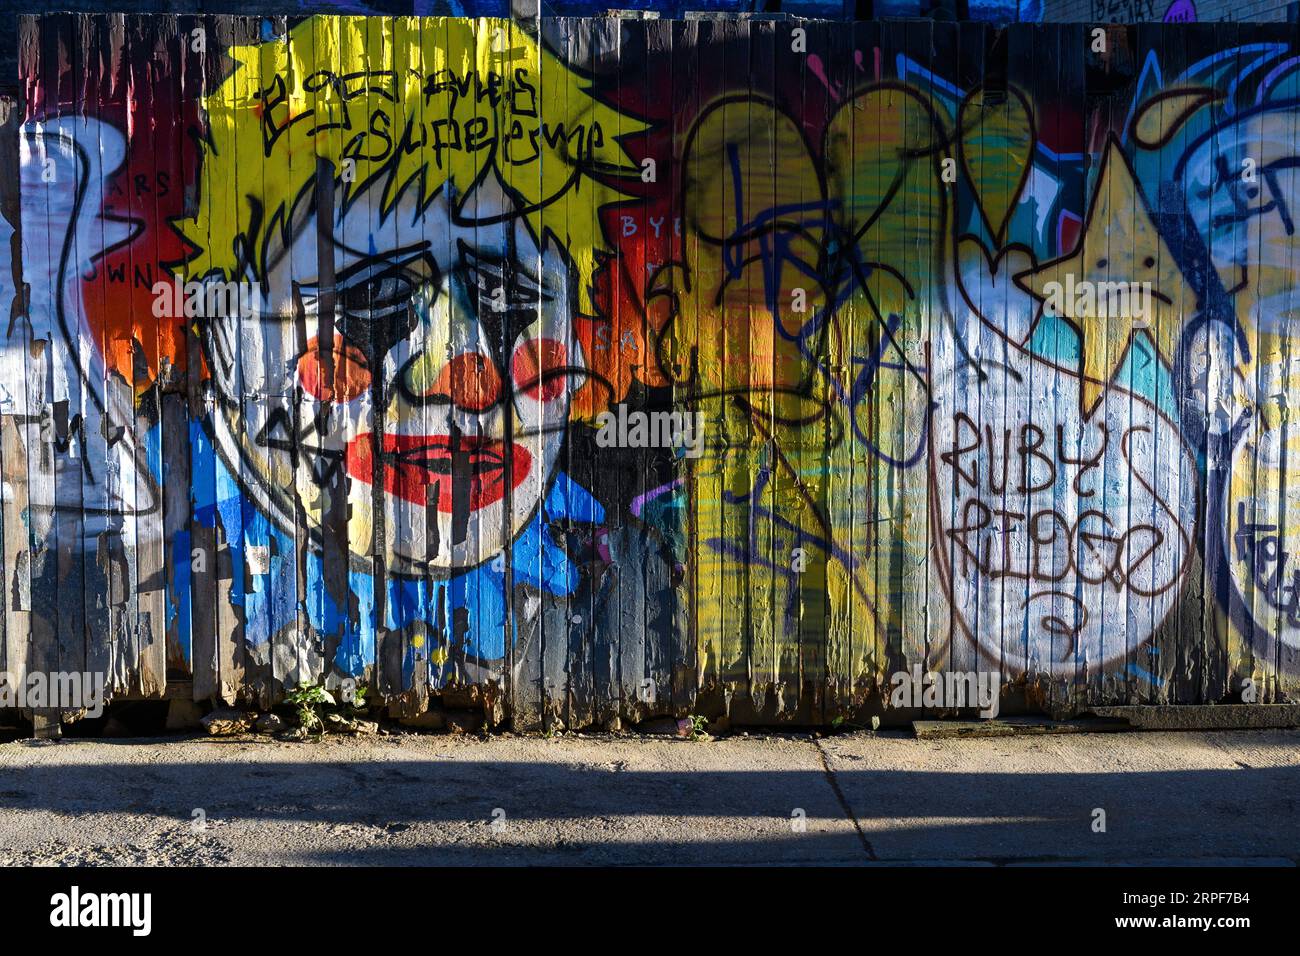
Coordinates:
x,y
913,240
591,622
1221,633
523,372
66,409
700,345
1215,626
1008,66
67,445
18,345
631,564
280,552
851,634
11,208
230,556
275,431
1045,602
538,394
1096,113
1030,73
46,361
759,295
739,477
1243,501
1181,660
1287,627
331,263
843,494
376,539
1072,50
197,79
492,40
172,119
105,425
1281,449
661,618
1123,636
411,585
561,675
1201,614
289,411
872,527
834,430
595,621
810,442
1120,393
485,597
679,299
150,625
975,389
118,547
629,567
1170,673
1266,443
1012,66
410,69
744,367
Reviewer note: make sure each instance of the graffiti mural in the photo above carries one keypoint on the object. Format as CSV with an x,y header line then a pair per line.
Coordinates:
x,y
649,367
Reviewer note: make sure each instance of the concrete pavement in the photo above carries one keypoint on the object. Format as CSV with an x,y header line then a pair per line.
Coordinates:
x,y
1190,797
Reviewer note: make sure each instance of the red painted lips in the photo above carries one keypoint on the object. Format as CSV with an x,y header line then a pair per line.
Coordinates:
x,y
439,470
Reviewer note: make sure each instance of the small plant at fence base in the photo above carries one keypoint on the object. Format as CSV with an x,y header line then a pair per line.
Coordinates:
x,y
317,710
309,702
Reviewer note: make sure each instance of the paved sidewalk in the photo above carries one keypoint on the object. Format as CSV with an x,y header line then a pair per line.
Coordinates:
x,y
1174,797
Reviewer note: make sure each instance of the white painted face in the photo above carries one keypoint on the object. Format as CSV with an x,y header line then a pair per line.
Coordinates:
x,y
431,388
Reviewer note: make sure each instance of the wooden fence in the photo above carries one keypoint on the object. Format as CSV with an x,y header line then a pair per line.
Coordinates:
x,y
651,367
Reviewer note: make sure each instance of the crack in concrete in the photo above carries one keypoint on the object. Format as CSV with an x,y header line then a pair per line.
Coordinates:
x,y
844,802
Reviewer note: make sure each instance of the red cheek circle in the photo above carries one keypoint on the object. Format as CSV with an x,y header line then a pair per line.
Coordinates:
x,y
537,368
471,381
351,373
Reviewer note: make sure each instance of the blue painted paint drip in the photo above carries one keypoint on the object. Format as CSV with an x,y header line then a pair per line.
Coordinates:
x,y
356,633
203,492
202,513
270,603
230,508
178,598
178,595
536,561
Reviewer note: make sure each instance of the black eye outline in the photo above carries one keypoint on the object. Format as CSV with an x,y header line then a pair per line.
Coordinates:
x,y
488,274
378,289
377,296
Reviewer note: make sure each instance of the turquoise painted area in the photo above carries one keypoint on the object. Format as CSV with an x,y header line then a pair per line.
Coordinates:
x,y
1056,340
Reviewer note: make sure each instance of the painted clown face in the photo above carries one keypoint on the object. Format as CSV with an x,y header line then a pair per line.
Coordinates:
x,y
403,379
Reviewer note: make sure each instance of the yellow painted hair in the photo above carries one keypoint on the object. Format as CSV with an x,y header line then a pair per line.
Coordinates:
x,y
431,103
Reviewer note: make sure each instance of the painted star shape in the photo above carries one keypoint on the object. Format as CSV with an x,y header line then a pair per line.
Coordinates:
x,y
1119,243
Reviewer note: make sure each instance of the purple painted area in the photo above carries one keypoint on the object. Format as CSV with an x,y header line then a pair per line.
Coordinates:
x,y
1181,11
